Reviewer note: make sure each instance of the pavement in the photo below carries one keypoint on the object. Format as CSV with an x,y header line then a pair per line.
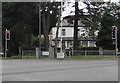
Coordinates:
x,y
59,70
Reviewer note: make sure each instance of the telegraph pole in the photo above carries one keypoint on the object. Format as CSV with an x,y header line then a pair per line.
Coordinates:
x,y
61,50
39,30
0,27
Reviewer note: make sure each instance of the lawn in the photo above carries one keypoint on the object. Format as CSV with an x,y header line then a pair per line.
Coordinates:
x,y
69,57
24,57
92,57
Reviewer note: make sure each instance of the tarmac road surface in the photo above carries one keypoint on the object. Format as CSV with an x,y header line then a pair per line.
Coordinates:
x,y
60,70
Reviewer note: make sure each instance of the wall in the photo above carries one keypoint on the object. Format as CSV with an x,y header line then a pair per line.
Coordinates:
x,y
69,31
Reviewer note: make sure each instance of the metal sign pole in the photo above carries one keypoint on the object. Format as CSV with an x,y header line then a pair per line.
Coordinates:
x,y
5,48
114,37
116,41
5,44
7,38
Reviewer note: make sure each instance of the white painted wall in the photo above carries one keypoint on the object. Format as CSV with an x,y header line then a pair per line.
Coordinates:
x,y
68,30
70,33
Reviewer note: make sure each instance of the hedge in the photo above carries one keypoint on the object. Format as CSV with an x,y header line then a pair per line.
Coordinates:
x,y
88,48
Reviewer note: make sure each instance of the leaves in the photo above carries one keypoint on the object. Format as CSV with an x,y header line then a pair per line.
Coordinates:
x,y
22,18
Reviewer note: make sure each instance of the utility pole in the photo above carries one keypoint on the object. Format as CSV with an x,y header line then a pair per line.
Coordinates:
x,y
61,27
39,30
1,27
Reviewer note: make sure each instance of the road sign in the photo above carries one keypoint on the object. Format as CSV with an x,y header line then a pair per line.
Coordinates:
x,y
45,53
60,55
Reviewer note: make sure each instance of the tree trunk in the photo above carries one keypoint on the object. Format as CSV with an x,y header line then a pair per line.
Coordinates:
x,y
48,27
56,38
45,32
76,26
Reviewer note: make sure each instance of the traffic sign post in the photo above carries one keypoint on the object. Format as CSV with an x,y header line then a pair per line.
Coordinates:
x,y
113,31
7,37
114,37
7,34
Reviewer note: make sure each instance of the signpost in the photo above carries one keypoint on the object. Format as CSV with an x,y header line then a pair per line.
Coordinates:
x,y
7,38
45,53
60,55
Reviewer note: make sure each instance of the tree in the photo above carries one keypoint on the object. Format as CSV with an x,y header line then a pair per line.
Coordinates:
x,y
91,18
76,26
109,19
48,19
58,26
95,16
18,18
104,38
23,21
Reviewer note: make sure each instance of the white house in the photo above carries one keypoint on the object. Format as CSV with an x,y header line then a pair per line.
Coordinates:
x,y
66,32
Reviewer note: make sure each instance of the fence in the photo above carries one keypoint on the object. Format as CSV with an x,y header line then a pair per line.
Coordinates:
x,y
86,52
31,54
108,52
92,52
28,54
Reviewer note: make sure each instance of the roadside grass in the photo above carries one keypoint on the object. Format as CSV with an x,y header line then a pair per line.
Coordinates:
x,y
34,57
92,57
24,57
68,57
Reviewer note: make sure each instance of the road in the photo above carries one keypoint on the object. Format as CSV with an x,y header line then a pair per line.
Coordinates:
x,y
60,70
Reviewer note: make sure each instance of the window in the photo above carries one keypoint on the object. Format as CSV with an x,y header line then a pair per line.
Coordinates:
x,y
63,43
63,32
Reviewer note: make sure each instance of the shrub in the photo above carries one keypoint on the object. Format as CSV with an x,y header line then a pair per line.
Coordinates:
x,y
88,48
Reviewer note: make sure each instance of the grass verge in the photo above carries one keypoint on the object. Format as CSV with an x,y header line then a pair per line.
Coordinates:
x,y
93,57
68,57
